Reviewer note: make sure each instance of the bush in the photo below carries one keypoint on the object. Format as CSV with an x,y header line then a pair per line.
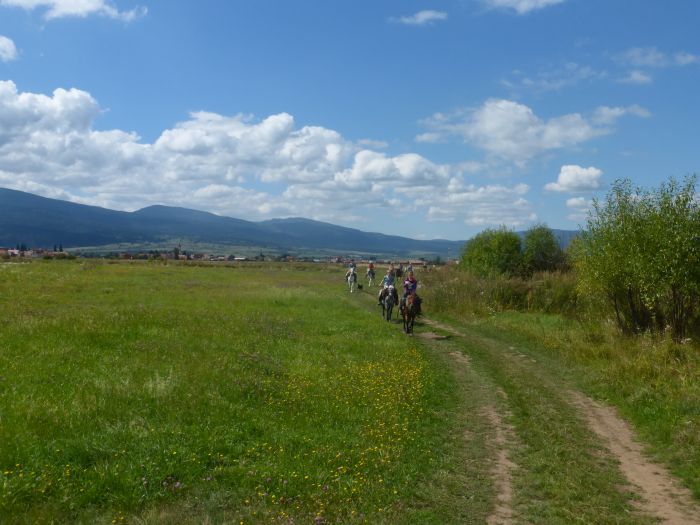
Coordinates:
x,y
493,252
541,251
641,253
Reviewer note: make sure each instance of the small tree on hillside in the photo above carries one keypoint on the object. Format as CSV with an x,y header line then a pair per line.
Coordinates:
x,y
541,251
493,252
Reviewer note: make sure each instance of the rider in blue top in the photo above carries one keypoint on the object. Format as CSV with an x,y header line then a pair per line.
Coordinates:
x,y
386,282
388,279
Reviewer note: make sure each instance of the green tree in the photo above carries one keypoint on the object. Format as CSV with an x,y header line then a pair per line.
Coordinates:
x,y
541,251
641,253
493,252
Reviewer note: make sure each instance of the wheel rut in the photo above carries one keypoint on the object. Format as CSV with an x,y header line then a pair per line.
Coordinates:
x,y
503,439
662,495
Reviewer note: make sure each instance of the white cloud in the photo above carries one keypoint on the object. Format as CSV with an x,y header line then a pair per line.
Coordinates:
x,y
8,51
554,79
684,59
479,205
232,165
636,77
651,57
76,8
422,18
512,131
575,179
375,144
580,207
578,202
521,6
605,115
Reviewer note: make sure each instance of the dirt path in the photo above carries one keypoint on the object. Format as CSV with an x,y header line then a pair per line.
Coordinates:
x,y
503,469
504,436
662,495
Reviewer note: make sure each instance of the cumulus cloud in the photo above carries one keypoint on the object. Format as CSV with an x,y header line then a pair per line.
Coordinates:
x,y
422,18
513,131
575,179
76,8
579,207
479,205
521,6
233,165
8,51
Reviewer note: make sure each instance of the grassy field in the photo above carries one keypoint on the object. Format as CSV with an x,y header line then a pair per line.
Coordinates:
x,y
151,393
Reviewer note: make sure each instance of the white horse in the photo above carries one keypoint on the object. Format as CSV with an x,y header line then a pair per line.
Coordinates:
x,y
370,277
352,280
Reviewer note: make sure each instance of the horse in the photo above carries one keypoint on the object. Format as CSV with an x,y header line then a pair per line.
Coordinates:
x,y
352,280
370,277
388,299
409,310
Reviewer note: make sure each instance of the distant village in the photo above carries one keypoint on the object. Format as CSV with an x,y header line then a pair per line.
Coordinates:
x,y
24,252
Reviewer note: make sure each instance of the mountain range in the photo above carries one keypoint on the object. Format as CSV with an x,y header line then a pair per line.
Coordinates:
x,y
41,222
37,221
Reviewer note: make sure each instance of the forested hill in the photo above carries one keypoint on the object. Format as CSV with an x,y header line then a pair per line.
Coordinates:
x,y
41,222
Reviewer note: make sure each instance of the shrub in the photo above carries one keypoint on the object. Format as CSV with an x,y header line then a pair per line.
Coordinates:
x,y
641,252
541,251
493,252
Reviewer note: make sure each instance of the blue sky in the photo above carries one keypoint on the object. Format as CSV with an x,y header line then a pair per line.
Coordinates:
x,y
425,119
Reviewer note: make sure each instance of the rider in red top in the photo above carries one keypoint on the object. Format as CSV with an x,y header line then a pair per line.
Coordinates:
x,y
410,285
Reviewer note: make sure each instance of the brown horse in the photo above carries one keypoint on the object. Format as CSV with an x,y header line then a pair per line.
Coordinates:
x,y
409,310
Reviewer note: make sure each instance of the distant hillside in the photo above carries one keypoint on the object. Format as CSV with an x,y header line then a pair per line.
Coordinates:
x,y
41,222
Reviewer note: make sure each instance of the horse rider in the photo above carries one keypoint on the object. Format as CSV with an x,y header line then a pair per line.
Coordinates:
x,y
386,282
370,270
350,272
410,286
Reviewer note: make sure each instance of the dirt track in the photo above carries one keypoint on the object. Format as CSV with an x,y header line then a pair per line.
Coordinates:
x,y
660,495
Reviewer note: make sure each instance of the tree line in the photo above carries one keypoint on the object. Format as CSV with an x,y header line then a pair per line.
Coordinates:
x,y
639,255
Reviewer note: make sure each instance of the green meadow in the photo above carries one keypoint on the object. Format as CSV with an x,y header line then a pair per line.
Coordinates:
x,y
152,393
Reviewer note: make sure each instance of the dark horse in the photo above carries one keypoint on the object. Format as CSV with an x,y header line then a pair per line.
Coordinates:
x,y
409,310
388,297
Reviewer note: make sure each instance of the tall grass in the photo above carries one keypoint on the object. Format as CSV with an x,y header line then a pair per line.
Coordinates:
x,y
450,290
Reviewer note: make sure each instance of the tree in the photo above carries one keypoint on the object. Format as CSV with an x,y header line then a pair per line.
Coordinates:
x,y
541,251
493,252
641,252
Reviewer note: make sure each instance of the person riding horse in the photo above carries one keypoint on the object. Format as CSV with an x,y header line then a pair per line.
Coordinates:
x,y
351,278
370,273
410,286
386,282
